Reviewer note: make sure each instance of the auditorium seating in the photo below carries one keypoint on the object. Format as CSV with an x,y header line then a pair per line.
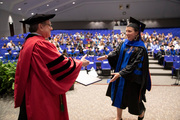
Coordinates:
x,y
93,60
168,61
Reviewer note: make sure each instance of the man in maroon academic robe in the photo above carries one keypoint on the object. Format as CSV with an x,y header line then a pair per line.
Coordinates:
x,y
43,75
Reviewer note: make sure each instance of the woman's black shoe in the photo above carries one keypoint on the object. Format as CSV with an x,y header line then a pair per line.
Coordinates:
x,y
140,118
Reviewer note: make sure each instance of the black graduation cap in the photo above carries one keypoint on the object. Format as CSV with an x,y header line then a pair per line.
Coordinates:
x,y
172,46
38,18
138,23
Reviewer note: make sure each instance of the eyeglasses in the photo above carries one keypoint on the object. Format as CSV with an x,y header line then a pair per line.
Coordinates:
x,y
50,25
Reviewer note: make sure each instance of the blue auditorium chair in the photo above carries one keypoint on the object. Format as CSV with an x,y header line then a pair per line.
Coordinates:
x,y
176,58
105,65
91,64
90,58
168,61
106,68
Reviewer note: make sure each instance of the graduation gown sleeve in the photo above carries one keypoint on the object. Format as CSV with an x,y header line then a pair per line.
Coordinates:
x,y
57,72
113,56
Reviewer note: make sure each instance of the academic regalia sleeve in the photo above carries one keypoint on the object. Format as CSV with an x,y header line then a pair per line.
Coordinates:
x,y
57,72
113,56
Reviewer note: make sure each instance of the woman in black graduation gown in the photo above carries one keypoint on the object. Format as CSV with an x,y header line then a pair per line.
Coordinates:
x,y
131,78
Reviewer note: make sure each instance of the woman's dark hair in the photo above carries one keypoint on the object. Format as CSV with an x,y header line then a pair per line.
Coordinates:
x,y
133,25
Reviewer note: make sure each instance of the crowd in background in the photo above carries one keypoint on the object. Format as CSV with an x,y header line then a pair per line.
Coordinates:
x,y
98,44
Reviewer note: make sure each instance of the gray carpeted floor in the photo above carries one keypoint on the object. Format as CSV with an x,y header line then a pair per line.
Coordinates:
x,y
90,102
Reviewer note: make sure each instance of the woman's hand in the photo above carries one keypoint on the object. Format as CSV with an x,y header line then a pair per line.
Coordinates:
x,y
116,76
102,58
84,61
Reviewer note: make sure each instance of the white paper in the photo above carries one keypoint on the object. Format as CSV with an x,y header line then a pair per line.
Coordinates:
x,y
86,79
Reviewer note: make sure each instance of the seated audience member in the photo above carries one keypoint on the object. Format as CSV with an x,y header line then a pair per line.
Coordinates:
x,y
10,56
72,53
154,46
99,36
80,46
22,36
88,44
94,39
158,45
9,44
101,45
65,53
114,48
81,36
75,44
106,51
172,51
177,46
81,52
14,47
88,39
97,41
17,37
4,46
169,46
165,46
108,42
97,52
57,46
19,45
173,41
160,55
90,52
68,45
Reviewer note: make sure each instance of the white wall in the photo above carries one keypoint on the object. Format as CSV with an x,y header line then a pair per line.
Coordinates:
x,y
159,23
122,28
4,25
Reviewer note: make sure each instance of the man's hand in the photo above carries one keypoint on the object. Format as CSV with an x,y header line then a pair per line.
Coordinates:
x,y
116,76
102,58
84,61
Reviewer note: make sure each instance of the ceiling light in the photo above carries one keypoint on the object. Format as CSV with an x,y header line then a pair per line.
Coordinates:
x,y
1,3
120,7
47,4
56,9
32,13
73,3
19,8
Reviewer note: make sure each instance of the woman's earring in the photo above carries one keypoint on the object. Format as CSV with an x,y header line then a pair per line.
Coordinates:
x,y
136,38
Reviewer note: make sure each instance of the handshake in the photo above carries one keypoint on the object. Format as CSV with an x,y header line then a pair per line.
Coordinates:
x,y
86,62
